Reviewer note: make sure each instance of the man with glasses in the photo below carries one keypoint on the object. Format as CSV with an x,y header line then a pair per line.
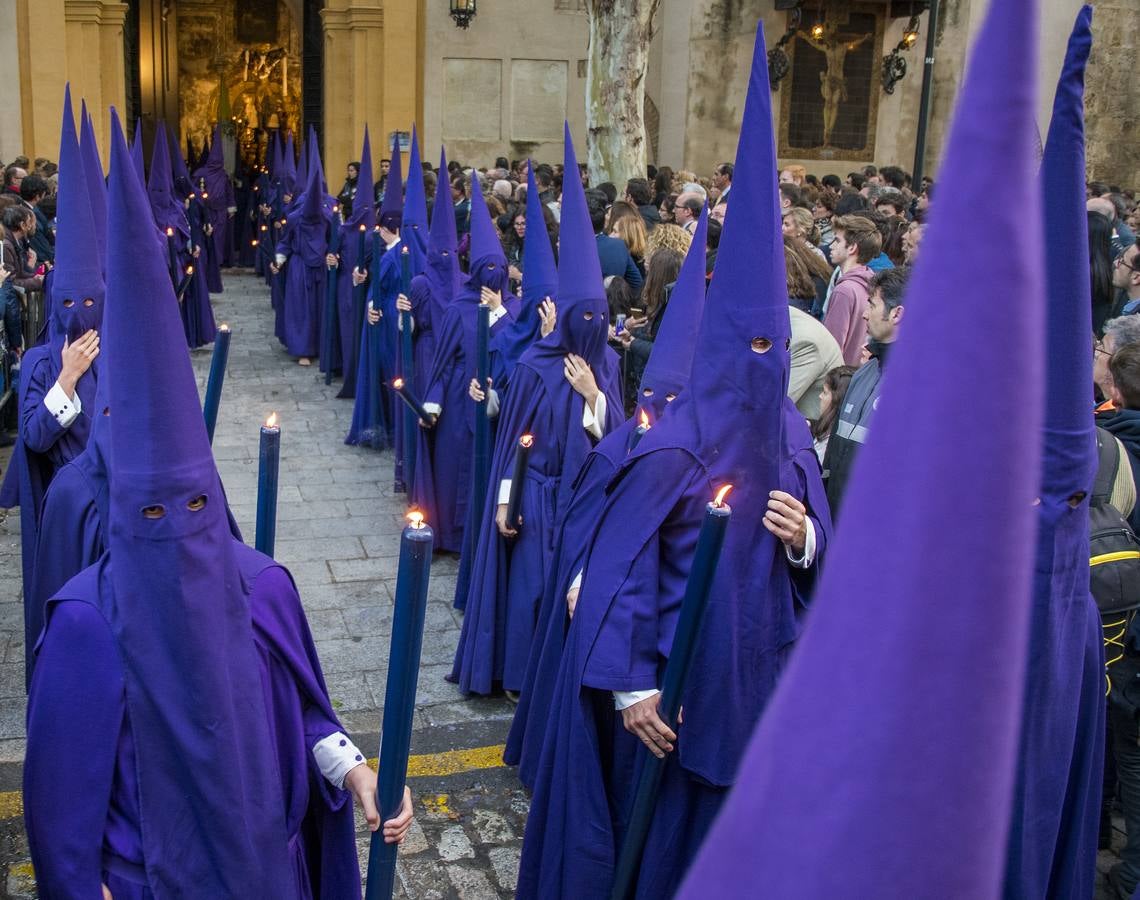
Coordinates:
x,y
1119,333
1126,277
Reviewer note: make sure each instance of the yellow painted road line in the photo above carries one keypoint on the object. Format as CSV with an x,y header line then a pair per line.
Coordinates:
x,y
427,765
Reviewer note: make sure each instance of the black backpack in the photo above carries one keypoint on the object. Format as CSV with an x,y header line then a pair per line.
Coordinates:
x,y
1114,550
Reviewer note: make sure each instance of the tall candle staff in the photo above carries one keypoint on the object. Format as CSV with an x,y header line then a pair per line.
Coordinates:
x,y
697,588
329,342
400,696
269,464
218,364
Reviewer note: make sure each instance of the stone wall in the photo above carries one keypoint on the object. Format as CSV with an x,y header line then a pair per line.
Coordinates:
x,y
1113,94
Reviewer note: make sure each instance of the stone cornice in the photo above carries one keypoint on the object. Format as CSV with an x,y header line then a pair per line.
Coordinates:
x,y
95,12
352,17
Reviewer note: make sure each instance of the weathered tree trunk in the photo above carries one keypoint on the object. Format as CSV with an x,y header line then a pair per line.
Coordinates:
x,y
620,32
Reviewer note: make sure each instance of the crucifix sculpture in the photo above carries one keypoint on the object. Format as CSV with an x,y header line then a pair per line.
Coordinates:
x,y
832,82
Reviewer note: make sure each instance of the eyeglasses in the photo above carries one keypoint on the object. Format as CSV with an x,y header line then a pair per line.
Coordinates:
x,y
1098,348
1121,261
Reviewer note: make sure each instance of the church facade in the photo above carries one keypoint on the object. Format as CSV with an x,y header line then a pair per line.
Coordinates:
x,y
849,75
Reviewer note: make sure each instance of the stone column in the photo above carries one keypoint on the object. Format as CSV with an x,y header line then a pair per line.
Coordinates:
x,y
41,45
372,61
94,63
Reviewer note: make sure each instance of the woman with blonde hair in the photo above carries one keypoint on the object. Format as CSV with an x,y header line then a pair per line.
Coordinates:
x,y
625,223
667,237
799,224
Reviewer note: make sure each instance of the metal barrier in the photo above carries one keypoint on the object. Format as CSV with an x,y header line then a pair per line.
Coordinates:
x,y
32,310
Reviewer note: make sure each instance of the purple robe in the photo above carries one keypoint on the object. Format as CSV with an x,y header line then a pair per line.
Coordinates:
x,y
528,728
83,813
304,243
638,568
1056,804
509,575
443,473
373,410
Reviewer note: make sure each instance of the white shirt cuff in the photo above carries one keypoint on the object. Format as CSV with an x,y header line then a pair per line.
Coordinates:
x,y
805,561
65,409
504,491
622,699
594,420
433,409
497,314
231,209
492,403
280,259
336,756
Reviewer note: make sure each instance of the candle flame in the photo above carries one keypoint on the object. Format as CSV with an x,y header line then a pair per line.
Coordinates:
x,y
253,243
170,232
225,326
363,227
398,383
205,196
189,270
264,227
336,207
527,440
644,419
415,518
271,422
720,495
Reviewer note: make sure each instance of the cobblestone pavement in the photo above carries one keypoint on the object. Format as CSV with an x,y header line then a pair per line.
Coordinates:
x,y
338,532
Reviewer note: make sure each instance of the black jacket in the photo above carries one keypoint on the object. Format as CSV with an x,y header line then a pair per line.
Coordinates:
x,y
1124,424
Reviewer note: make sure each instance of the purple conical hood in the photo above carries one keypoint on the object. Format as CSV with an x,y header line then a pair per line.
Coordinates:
x,y
96,184
289,166
78,273
485,243
415,200
302,177
579,269
148,439
210,809
671,360
442,269
392,206
540,272
916,611
215,159
315,160
182,184
583,313
168,210
137,152
363,209
1070,454
314,196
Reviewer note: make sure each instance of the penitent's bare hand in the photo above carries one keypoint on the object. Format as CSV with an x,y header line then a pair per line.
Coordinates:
x,y
642,720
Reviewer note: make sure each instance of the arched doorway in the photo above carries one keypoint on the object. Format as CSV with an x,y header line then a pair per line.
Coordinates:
x,y
255,66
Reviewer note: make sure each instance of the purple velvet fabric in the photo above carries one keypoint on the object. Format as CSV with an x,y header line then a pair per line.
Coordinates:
x,y
885,763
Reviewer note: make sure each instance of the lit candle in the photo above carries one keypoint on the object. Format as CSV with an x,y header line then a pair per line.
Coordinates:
x,y
639,432
329,343
697,589
172,253
217,379
180,291
404,392
400,697
360,248
268,465
518,478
